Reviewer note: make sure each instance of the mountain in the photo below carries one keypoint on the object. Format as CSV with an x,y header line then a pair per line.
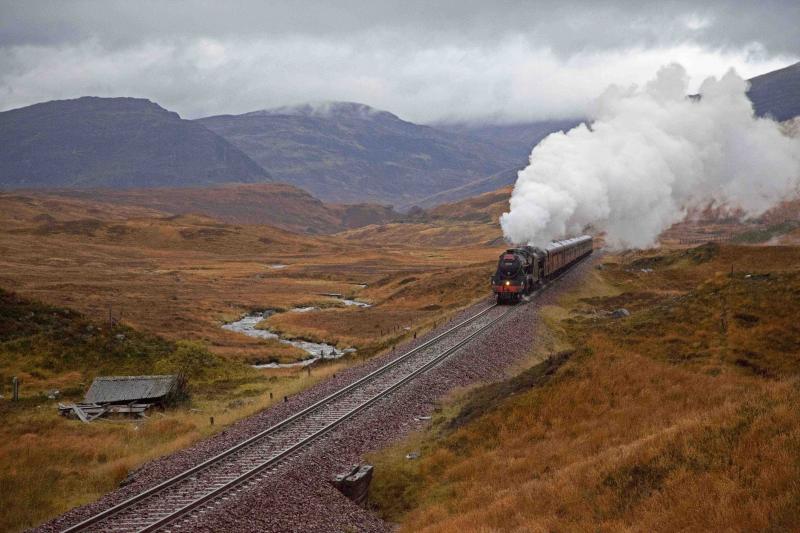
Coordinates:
x,y
349,152
500,180
276,204
519,138
777,93
114,142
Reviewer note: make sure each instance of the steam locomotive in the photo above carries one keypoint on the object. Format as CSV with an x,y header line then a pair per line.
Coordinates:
x,y
520,270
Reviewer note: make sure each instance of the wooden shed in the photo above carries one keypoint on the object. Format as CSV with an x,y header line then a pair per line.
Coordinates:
x,y
126,396
139,389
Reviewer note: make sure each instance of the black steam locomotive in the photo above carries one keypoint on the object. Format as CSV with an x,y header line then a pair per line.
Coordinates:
x,y
521,269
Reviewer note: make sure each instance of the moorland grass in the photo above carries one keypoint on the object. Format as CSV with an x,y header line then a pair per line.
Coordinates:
x,y
48,463
680,417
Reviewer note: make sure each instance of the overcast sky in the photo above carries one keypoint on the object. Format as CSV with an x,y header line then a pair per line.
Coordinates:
x,y
423,60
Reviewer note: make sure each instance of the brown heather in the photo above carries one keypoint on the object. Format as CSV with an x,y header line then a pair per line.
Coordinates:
x,y
683,416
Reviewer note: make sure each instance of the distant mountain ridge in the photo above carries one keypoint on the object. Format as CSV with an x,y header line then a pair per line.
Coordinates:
x,y
342,152
114,142
326,109
519,138
777,93
276,204
350,152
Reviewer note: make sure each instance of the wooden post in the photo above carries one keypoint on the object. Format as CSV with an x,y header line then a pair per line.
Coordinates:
x,y
211,419
285,399
308,370
270,395
15,387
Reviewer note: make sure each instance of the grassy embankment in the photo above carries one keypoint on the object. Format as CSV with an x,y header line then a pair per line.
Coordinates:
x,y
681,416
49,464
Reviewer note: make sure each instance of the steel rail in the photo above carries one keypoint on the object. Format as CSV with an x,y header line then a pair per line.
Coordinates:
x,y
272,429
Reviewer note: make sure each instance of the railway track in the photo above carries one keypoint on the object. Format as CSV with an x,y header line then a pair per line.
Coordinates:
x,y
174,503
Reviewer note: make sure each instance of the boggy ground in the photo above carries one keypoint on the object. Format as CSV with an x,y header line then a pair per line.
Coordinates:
x,y
183,276
682,415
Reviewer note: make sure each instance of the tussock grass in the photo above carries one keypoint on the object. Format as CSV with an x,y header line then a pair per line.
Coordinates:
x,y
654,424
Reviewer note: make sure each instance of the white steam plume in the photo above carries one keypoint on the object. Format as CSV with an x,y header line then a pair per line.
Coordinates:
x,y
649,156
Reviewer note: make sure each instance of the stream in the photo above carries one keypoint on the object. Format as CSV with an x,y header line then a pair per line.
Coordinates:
x,y
316,350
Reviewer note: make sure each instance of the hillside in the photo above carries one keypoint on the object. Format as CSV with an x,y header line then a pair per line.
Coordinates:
x,y
520,138
276,204
347,152
486,207
679,417
777,93
114,142
464,223
490,184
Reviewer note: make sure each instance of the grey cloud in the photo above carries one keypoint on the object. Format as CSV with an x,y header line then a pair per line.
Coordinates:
x,y
426,61
567,26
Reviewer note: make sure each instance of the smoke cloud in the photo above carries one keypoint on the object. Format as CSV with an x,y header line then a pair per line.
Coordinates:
x,y
650,155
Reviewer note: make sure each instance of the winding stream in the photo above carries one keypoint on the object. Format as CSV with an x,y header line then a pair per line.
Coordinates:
x,y
316,350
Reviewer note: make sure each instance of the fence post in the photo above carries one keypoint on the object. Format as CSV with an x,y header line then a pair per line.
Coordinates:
x,y
15,387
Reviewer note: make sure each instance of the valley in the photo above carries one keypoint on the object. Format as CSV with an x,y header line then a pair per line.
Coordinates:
x,y
385,268
166,284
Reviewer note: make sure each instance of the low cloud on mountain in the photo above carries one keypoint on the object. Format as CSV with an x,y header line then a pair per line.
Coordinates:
x,y
449,61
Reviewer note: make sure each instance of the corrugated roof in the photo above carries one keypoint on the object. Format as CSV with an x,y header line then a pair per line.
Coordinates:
x,y
108,389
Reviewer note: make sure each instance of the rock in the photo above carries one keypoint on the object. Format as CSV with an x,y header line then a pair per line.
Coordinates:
x,y
355,483
412,455
620,313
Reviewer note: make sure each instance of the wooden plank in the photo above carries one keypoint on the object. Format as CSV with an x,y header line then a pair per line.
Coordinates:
x,y
78,411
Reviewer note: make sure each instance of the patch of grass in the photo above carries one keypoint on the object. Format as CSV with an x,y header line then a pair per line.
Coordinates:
x,y
485,398
762,235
